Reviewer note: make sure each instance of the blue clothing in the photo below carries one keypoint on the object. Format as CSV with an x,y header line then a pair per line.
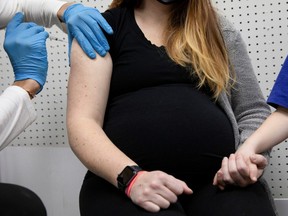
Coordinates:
x,y
279,93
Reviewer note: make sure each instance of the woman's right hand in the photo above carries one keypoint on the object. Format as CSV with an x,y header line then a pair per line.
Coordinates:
x,y
156,190
241,169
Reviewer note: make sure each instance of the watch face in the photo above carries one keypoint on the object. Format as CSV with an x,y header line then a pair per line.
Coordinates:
x,y
126,176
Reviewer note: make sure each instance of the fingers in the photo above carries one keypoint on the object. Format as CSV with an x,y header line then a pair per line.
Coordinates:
x,y
242,166
225,167
253,172
102,22
186,189
215,181
20,27
162,198
153,202
151,206
178,188
32,30
83,43
86,25
219,180
98,36
94,35
87,40
239,170
157,190
259,160
43,34
234,171
15,22
24,35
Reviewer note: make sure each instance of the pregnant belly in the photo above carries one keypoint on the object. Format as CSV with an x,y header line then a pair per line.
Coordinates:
x,y
173,128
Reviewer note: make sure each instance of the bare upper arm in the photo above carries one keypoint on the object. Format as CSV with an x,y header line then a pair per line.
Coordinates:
x,y
88,85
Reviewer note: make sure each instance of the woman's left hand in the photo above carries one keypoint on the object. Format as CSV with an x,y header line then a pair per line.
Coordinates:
x,y
156,190
241,169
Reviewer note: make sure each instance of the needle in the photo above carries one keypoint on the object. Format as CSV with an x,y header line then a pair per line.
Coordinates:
x,y
51,37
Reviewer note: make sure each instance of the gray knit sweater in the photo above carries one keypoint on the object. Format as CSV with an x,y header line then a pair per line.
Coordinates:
x,y
244,105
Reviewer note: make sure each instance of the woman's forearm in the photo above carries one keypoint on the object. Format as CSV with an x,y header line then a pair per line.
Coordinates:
x,y
273,131
95,150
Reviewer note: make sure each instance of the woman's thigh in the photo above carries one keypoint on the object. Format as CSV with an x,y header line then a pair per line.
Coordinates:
x,y
98,197
233,201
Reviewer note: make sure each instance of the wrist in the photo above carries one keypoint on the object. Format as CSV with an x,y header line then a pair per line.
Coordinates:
x,y
247,149
126,177
62,10
29,85
130,185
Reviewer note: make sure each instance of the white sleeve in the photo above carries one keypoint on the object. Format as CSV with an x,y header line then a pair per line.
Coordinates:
x,y
16,114
42,12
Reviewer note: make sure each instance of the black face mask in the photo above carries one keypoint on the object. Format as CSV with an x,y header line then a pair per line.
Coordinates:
x,y
168,1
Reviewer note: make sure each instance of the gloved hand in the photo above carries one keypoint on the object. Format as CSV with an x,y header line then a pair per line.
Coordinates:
x,y
25,44
85,24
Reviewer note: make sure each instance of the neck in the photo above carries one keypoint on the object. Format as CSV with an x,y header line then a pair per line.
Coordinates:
x,y
153,11
152,17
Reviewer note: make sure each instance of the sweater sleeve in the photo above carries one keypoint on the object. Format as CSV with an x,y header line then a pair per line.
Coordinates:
x,y
16,114
42,12
246,98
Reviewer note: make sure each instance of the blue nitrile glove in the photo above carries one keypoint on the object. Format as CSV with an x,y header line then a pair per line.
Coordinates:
x,y
25,44
85,24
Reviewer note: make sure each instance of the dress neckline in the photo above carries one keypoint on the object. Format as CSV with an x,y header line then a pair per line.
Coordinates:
x,y
140,32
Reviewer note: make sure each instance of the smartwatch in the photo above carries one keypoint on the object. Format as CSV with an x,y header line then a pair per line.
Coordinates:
x,y
126,176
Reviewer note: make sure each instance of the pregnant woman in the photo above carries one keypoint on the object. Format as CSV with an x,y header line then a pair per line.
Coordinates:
x,y
153,119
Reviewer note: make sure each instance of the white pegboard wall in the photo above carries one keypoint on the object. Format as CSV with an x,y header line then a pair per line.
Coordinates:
x,y
264,27
263,24
50,127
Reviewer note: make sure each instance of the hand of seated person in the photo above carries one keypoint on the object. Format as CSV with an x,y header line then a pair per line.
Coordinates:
x,y
241,169
157,190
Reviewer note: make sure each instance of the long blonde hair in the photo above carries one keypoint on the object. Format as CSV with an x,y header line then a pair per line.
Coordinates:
x,y
193,39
